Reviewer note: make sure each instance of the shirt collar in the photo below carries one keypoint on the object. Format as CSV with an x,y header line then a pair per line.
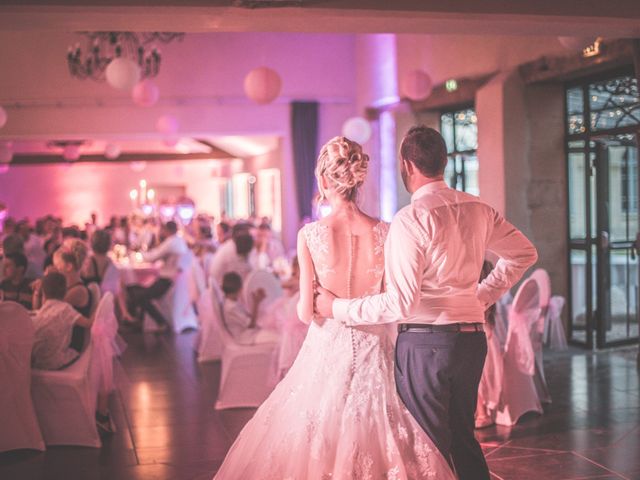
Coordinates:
x,y
430,187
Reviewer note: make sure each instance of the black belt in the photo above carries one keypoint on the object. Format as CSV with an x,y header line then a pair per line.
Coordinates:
x,y
452,327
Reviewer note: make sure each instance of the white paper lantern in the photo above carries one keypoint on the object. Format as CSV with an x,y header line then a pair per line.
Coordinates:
x,y
357,129
145,93
3,117
138,166
112,151
6,153
262,85
167,124
123,73
576,43
71,153
417,85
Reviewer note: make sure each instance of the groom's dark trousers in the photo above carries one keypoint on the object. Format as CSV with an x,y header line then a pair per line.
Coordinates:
x,y
437,375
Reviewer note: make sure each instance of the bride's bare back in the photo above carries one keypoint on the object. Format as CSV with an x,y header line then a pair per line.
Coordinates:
x,y
343,253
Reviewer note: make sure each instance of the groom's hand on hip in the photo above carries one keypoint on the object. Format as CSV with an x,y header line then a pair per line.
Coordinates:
x,y
324,302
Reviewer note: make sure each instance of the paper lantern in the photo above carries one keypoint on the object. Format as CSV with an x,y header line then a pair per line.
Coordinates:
x,y
576,43
3,117
122,73
112,151
417,85
145,93
138,166
357,129
4,168
71,153
167,124
262,85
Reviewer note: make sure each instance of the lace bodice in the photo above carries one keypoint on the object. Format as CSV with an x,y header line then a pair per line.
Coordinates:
x,y
348,266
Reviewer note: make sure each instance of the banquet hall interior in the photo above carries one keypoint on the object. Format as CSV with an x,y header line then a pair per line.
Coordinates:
x,y
131,129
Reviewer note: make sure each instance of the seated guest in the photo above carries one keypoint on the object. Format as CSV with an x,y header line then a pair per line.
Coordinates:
x,y
54,323
78,295
240,322
78,248
15,286
98,262
233,256
52,244
176,257
223,232
33,247
268,248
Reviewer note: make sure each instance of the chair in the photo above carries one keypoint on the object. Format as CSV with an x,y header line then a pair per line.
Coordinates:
x,y
540,331
111,280
65,403
103,338
519,394
261,279
244,381
20,427
208,343
557,339
197,281
176,306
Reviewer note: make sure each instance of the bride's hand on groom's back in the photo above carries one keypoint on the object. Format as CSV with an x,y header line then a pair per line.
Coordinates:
x,y
323,303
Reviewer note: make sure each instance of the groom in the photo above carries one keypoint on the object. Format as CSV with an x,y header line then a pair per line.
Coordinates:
x,y
433,258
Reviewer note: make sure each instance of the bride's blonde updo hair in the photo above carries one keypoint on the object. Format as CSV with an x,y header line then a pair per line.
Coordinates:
x,y
343,163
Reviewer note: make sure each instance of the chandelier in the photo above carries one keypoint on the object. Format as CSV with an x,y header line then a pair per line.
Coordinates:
x,y
103,47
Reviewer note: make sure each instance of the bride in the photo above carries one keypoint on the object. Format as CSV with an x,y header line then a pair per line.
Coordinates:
x,y
336,414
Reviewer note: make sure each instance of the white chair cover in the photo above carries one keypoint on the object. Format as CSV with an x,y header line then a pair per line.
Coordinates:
x,y
104,334
502,318
176,306
293,333
244,381
519,394
209,340
540,331
111,280
490,388
65,403
19,426
261,279
197,281
557,337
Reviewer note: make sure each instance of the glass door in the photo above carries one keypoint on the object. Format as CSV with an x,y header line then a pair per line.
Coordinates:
x,y
602,124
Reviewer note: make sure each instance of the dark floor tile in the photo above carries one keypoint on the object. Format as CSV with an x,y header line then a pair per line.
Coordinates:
x,y
557,466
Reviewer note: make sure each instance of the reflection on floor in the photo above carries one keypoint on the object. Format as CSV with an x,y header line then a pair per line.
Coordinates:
x,y
167,428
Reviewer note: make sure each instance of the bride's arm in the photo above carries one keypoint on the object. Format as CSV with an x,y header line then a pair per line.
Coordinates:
x,y
305,304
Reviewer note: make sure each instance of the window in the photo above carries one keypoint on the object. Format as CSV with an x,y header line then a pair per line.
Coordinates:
x,y
460,131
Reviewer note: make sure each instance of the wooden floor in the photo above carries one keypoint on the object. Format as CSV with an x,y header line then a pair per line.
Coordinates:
x,y
168,429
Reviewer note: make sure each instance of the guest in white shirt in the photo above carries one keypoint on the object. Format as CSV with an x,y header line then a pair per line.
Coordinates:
x,y
239,321
433,257
54,323
233,256
175,256
33,248
267,247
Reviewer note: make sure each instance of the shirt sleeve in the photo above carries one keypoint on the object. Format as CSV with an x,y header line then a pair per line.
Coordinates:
x,y
516,254
404,269
157,253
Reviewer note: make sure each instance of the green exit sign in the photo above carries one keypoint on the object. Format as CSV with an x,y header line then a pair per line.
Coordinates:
x,y
451,85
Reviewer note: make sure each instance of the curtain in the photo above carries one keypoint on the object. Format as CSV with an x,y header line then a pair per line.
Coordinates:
x,y
304,135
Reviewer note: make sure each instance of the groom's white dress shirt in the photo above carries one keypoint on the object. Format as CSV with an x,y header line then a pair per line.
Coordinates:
x,y
433,256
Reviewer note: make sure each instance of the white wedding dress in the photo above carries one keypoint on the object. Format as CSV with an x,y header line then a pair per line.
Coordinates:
x,y
336,414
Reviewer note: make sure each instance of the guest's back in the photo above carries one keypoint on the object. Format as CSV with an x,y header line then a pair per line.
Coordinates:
x,y
53,328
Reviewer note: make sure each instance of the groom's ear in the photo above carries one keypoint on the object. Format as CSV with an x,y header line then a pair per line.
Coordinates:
x,y
408,166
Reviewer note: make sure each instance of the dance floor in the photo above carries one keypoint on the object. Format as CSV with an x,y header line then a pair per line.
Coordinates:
x,y
168,429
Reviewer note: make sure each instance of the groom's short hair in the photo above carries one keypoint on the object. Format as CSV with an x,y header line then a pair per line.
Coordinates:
x,y
426,149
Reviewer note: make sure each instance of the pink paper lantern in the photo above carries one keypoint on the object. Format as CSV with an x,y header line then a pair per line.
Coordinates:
x,y
122,73
170,141
112,151
576,43
262,85
145,93
3,117
417,85
4,168
71,153
167,124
